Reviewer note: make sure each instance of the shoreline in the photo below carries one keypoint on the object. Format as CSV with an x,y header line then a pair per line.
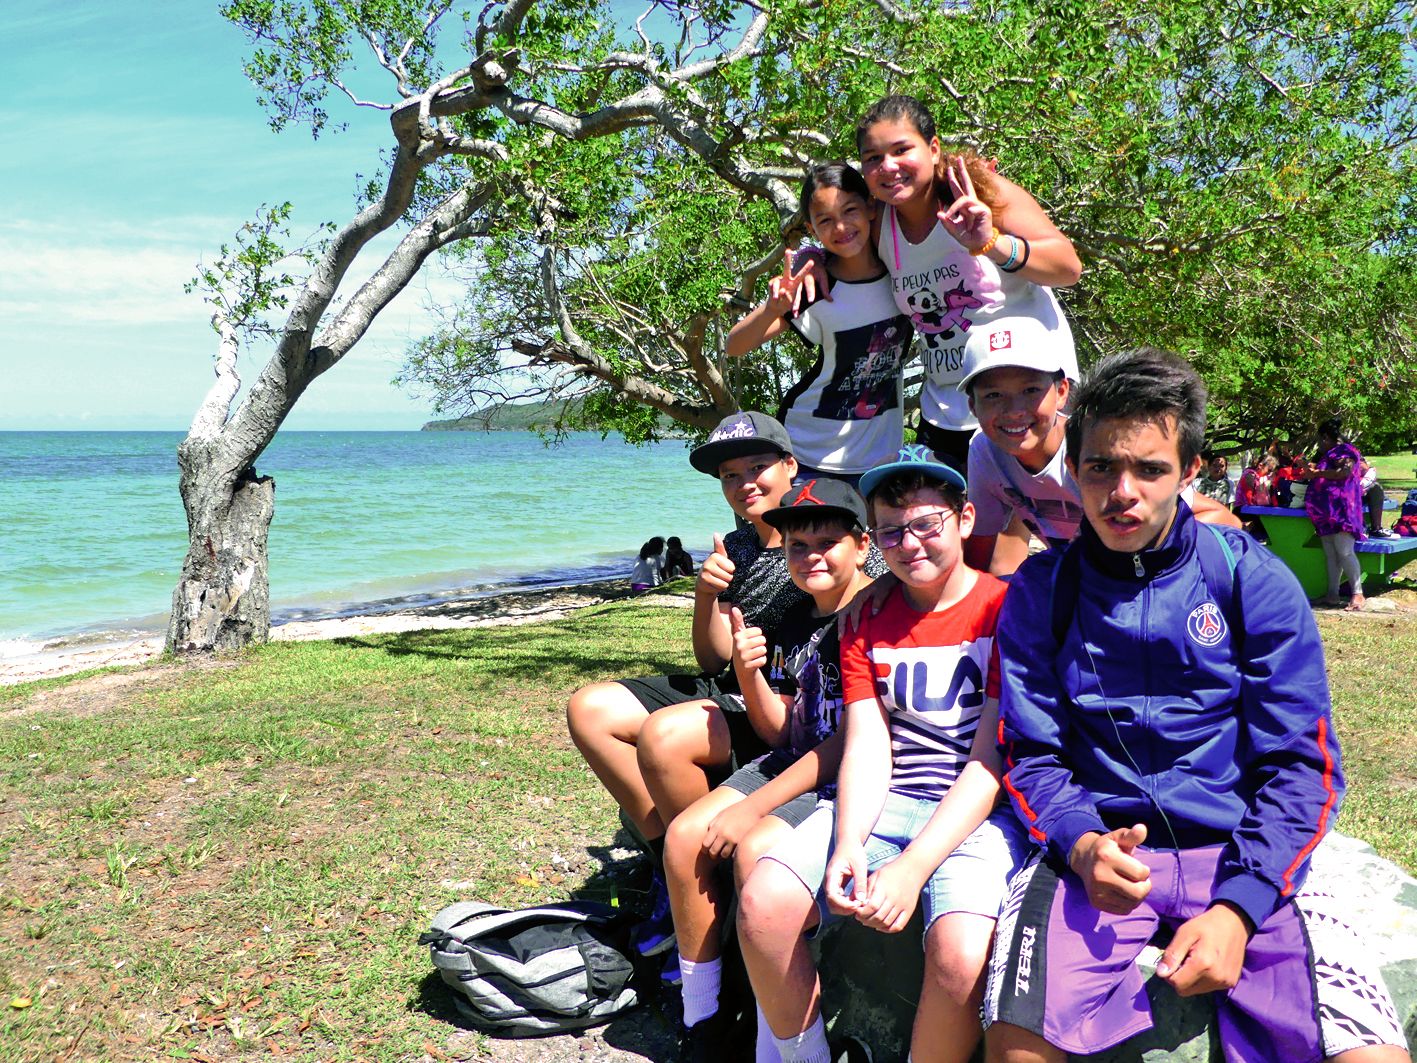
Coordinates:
x,y
59,658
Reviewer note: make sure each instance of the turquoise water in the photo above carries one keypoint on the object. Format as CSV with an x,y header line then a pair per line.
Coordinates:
x,y
92,532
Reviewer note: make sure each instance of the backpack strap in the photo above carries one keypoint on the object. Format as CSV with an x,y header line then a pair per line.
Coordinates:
x,y
1218,565
1063,591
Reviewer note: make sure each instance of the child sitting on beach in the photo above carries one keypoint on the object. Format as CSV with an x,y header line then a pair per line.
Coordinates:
x,y
845,415
823,524
914,820
649,567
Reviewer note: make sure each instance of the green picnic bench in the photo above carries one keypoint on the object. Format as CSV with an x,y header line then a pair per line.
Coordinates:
x,y
1294,541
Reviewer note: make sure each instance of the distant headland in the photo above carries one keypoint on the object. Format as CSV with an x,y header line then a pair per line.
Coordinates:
x,y
530,417
518,417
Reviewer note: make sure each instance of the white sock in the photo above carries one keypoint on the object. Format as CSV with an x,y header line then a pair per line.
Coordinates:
x,y
809,1046
767,1043
700,990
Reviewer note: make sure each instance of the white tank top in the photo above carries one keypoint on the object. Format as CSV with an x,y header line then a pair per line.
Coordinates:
x,y
945,290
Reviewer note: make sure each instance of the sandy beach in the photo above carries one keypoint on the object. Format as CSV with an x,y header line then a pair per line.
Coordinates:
x,y
63,657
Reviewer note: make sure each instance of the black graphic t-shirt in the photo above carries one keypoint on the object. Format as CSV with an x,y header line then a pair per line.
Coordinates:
x,y
845,415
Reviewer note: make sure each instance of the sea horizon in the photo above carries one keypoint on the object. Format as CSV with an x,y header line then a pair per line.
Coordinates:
x,y
96,534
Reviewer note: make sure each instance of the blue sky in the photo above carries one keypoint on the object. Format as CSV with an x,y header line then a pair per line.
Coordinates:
x,y
132,147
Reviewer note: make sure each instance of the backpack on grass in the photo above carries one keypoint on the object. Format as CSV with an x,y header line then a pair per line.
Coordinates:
x,y
538,971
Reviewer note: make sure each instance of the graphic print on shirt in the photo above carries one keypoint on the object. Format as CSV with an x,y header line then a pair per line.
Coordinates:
x,y
935,695
776,674
817,712
1036,511
942,315
866,376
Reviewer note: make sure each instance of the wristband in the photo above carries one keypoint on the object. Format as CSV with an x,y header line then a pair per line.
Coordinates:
x,y
988,244
1013,254
1027,250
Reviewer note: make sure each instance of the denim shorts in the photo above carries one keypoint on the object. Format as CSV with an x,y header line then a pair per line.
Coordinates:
x,y
973,879
756,774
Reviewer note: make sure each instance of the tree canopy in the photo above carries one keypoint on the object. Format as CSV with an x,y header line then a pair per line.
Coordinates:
x,y
1238,180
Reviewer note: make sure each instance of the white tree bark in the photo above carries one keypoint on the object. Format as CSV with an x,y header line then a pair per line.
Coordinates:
x,y
222,597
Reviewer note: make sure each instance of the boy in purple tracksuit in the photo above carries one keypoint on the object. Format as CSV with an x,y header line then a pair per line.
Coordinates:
x,y
1167,737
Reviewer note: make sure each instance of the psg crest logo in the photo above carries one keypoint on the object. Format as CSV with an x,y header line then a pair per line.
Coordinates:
x,y
1206,624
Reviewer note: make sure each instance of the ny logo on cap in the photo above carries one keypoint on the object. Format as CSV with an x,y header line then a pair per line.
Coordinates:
x,y
916,452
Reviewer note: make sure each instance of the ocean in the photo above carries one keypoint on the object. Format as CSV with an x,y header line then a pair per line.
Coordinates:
x,y
92,532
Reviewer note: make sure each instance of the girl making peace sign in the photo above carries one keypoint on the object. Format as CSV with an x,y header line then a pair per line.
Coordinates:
x,y
844,416
963,245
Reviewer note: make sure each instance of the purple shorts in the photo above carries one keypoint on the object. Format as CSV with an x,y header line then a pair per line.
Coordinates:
x,y
1068,972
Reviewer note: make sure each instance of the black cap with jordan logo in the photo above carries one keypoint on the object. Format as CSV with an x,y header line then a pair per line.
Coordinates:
x,y
825,497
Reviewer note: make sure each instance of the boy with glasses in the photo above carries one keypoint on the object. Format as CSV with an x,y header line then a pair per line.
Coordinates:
x,y
914,820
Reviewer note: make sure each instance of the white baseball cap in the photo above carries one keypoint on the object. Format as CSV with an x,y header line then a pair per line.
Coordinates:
x,y
1018,341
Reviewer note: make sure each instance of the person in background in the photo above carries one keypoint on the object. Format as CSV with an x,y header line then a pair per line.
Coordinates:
x,y
677,561
1334,503
1372,493
1216,481
1283,478
1256,486
649,567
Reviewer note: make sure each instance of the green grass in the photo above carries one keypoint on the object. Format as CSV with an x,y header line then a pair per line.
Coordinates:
x,y
1396,472
235,861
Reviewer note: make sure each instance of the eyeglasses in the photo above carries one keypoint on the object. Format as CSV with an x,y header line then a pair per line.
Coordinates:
x,y
925,526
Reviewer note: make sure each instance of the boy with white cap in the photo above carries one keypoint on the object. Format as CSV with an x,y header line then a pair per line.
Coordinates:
x,y
1016,378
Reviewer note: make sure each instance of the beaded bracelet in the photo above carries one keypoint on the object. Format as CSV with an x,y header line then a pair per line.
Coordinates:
x,y
988,244
1027,250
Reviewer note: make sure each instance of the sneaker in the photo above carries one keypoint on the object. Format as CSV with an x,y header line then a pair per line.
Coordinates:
x,y
670,974
704,1042
656,933
850,1049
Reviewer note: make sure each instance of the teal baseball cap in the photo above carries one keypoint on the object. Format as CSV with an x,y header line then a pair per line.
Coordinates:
x,y
917,458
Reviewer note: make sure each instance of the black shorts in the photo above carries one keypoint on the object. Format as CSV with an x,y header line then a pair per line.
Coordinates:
x,y
660,691
950,446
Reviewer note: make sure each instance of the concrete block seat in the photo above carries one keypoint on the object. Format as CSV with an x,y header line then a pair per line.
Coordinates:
x,y
1294,541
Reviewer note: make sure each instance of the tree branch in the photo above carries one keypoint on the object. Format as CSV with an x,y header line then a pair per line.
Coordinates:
x,y
575,351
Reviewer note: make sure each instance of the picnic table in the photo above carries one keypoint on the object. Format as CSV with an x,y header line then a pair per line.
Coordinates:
x,y
1294,541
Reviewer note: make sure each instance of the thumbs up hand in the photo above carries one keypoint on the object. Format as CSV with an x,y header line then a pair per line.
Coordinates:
x,y
716,573
750,646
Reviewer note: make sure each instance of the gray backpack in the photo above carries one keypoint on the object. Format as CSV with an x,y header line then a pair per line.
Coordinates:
x,y
537,971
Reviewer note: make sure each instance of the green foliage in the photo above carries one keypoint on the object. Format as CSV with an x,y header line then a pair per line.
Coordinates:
x,y
1238,179
252,278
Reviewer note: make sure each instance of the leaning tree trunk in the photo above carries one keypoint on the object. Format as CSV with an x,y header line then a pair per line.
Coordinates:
x,y
222,600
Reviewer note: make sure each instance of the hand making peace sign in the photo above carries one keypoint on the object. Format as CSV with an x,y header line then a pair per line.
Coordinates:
x,y
968,219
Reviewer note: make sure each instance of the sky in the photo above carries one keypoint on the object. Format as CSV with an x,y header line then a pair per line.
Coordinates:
x,y
131,148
